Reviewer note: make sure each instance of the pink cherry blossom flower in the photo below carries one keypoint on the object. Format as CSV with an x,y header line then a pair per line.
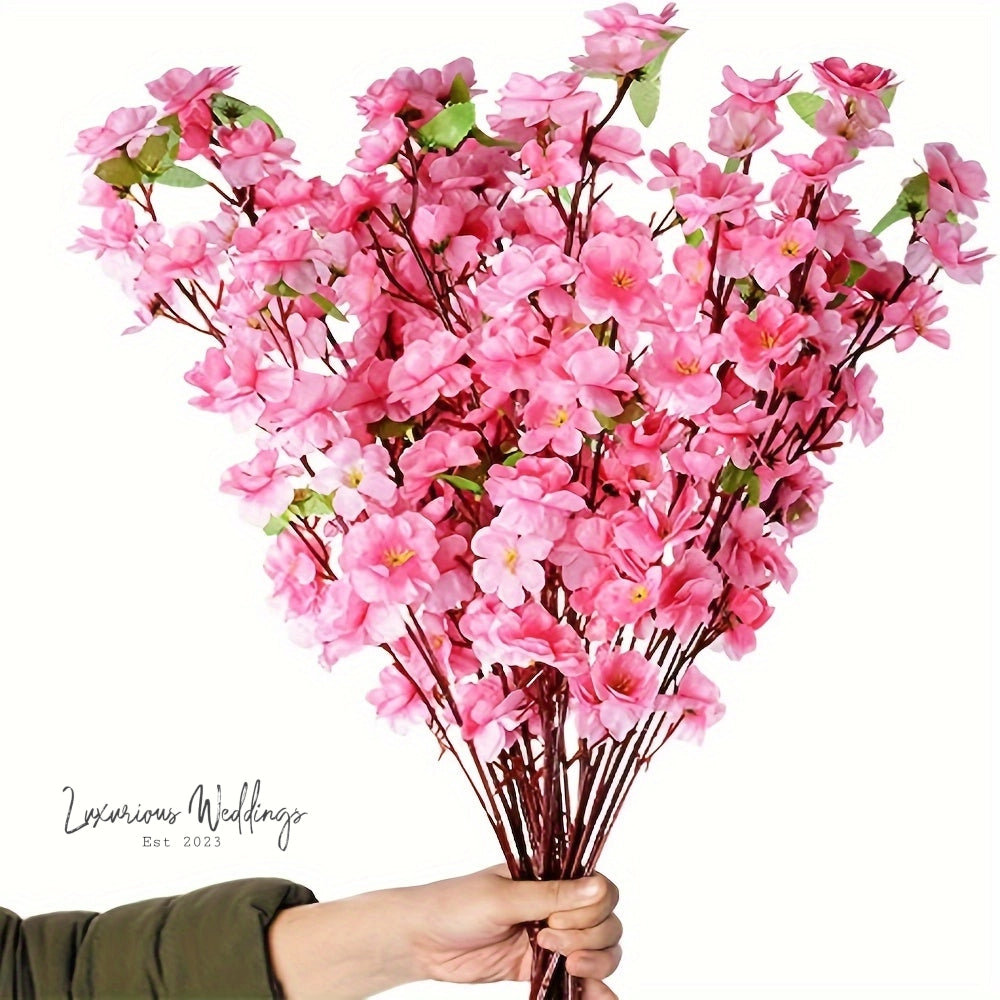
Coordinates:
x,y
865,416
555,98
253,152
614,147
773,335
765,91
509,564
776,256
955,184
178,88
747,611
680,167
357,476
716,194
520,270
490,717
293,571
116,232
427,370
688,588
856,122
914,314
345,623
629,41
262,485
381,147
397,700
390,559
625,686
859,81
676,374
751,557
624,601
616,277
534,496
940,245
741,131
436,452
695,706
239,381
553,165
596,371
435,225
831,158
128,127
554,419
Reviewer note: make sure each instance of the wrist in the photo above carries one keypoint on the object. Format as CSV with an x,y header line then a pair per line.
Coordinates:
x,y
346,949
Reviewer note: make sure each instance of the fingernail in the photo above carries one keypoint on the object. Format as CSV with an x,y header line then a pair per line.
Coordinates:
x,y
590,888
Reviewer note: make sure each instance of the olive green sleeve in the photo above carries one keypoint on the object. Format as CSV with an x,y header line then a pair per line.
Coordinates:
x,y
210,944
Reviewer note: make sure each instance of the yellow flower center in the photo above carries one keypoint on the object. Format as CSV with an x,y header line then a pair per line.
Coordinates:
x,y
559,417
354,477
510,559
396,557
790,248
639,594
690,367
622,279
768,339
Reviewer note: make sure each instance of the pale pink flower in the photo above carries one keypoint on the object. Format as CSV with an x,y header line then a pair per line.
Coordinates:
x,y
509,564
773,335
553,165
116,232
555,98
714,193
955,184
747,611
178,88
520,270
856,122
676,375
253,152
426,370
940,245
775,257
629,41
397,700
391,559
381,147
357,476
344,622
436,452
293,570
614,147
624,601
616,277
865,416
128,127
751,557
765,91
509,354
435,225
914,314
263,486
741,131
534,496
681,167
238,380
695,706
554,419
862,81
490,717
831,158
598,372
625,686
306,418
687,590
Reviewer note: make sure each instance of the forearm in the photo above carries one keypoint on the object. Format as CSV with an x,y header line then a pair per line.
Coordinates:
x,y
346,949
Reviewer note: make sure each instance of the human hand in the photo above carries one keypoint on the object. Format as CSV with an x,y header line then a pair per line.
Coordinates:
x,y
461,930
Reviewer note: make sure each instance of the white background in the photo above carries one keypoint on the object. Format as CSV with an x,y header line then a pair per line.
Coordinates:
x,y
832,837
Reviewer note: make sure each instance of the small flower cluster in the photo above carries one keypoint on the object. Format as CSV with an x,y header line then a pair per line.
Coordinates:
x,y
539,452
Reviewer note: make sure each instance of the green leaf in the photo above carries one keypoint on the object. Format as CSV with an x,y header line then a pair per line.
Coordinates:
x,y
513,458
282,288
608,423
119,172
313,504
806,105
327,306
912,201
491,140
255,114
459,93
695,239
448,127
180,177
645,97
888,96
154,155
276,525
857,269
461,483
732,165
228,108
734,479
387,428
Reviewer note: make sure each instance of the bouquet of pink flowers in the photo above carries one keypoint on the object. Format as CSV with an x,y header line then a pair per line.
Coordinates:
x,y
538,452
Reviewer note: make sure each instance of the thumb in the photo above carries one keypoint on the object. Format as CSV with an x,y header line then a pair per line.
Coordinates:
x,y
523,901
